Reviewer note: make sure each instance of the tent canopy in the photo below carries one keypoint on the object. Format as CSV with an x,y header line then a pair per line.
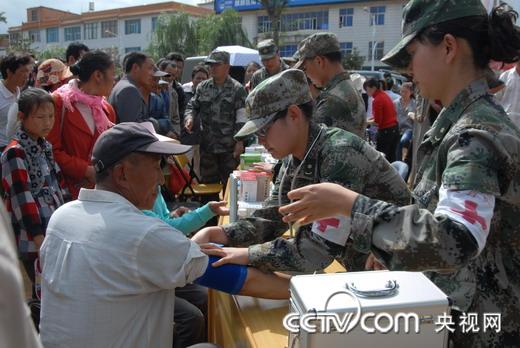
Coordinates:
x,y
240,55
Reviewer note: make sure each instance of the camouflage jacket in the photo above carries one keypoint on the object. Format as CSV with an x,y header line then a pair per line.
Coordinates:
x,y
340,105
219,110
474,146
339,157
262,74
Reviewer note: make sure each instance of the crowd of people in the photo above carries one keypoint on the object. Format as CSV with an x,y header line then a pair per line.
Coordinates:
x,y
83,155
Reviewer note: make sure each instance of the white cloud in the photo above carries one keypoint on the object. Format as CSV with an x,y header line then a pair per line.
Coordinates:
x,y
15,10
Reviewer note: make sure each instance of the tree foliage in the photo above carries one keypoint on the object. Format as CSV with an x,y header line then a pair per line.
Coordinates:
x,y
221,30
174,32
177,32
51,52
274,9
353,61
3,18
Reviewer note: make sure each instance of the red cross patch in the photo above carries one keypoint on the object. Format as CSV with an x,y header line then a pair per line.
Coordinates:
x,y
470,214
322,224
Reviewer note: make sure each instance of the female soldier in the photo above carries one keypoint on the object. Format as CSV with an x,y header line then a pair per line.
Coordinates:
x,y
467,201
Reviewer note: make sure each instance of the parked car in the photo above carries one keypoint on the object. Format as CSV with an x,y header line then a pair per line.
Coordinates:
x,y
379,75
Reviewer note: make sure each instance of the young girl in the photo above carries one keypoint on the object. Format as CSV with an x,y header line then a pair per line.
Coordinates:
x,y
464,223
30,177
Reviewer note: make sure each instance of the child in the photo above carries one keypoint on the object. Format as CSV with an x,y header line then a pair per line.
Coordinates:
x,y
30,177
182,218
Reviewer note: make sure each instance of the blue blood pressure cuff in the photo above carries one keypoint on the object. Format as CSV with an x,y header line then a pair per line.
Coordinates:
x,y
228,278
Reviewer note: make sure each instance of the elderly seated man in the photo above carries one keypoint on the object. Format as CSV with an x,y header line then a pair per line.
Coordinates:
x,y
109,271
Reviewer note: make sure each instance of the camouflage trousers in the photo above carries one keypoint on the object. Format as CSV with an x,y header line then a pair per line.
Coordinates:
x,y
216,167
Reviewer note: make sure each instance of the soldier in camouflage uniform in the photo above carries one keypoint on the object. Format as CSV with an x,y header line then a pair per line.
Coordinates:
x,y
219,105
279,112
273,64
339,104
465,220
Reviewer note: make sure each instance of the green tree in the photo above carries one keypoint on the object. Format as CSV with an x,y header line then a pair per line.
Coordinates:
x,y
177,32
20,45
3,18
51,52
220,30
174,32
274,9
353,61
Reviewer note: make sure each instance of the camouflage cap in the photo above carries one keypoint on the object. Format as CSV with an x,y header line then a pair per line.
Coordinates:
x,y
316,45
218,57
267,49
273,95
421,14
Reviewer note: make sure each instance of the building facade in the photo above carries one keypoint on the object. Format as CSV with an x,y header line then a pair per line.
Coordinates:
x,y
358,24
119,30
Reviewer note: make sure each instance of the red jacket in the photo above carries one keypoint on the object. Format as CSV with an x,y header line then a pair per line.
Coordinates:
x,y
72,143
383,110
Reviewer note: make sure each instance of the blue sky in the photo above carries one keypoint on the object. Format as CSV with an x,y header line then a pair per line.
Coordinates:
x,y
15,10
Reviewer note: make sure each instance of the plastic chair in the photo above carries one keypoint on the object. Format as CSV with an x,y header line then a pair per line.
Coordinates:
x,y
191,188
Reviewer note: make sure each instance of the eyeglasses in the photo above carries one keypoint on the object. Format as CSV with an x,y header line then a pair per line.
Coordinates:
x,y
262,133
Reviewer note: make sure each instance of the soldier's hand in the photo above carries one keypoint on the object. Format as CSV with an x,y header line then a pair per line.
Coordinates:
x,y
373,264
219,208
188,124
237,256
213,234
318,201
263,167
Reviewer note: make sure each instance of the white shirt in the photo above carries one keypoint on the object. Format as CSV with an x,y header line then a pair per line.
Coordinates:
x,y
392,95
509,96
16,326
109,274
7,98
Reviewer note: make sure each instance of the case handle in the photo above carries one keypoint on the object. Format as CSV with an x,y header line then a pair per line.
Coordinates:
x,y
390,289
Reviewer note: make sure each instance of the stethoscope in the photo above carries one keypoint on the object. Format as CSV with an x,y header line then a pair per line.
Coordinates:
x,y
293,181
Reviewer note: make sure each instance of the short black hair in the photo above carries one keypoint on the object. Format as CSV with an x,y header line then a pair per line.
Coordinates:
x,y
307,109
199,68
32,98
13,61
90,62
372,83
132,58
334,57
165,63
74,50
176,56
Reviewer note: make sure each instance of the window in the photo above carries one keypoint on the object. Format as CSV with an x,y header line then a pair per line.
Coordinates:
x,y
34,15
132,49
345,48
345,17
288,50
378,54
34,35
264,24
154,23
297,21
52,35
91,31
14,37
109,29
377,14
72,33
133,26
